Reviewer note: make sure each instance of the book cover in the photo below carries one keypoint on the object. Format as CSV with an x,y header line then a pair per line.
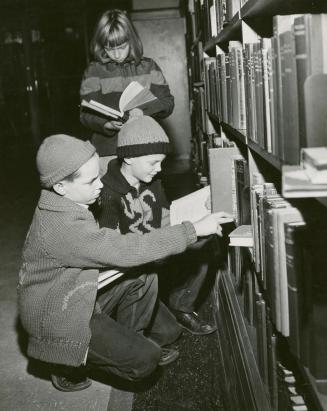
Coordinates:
x,y
191,207
271,207
315,90
256,190
297,184
314,161
242,236
220,174
311,56
291,140
281,24
262,339
298,332
286,215
134,96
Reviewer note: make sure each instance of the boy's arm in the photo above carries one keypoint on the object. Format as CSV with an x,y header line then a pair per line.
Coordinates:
x,y
110,211
165,218
83,244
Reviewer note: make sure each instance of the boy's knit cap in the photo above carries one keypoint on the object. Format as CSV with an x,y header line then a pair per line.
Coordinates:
x,y
61,155
141,136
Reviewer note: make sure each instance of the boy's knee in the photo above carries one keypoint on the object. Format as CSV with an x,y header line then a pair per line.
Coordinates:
x,y
146,362
172,333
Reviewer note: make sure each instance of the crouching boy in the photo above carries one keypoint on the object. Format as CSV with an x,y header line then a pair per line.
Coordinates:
x,y
58,280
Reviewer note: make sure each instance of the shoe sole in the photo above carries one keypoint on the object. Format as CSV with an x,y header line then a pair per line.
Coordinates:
x,y
170,360
76,387
198,333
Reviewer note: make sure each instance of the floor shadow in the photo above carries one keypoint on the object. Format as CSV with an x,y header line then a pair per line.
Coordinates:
x,y
123,384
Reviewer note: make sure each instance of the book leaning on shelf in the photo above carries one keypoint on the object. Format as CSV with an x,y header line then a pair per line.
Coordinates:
x,y
134,96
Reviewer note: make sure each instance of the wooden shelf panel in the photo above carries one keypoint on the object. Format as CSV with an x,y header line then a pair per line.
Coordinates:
x,y
239,135
268,157
232,31
245,343
260,9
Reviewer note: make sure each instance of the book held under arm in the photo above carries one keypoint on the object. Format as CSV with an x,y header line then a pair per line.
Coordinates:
x,y
107,277
134,96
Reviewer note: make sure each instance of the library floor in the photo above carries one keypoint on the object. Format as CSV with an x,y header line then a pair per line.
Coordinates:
x,y
189,384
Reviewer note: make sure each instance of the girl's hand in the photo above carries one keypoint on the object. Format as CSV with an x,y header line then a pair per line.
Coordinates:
x,y
210,224
113,125
135,112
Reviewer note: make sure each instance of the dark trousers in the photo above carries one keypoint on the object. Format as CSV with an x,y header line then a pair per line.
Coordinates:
x,y
186,275
133,325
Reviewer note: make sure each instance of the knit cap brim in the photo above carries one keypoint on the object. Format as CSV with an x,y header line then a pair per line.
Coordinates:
x,y
61,155
141,136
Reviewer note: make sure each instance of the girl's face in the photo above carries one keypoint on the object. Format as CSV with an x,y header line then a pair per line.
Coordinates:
x,y
118,54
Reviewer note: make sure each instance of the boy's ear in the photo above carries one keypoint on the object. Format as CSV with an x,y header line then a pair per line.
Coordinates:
x,y
128,161
59,188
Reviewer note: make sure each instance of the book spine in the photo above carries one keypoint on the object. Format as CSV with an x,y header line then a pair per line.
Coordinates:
x,y
262,339
293,266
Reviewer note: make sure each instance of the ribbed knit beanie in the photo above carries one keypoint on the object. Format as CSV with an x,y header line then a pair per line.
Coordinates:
x,y
141,136
59,156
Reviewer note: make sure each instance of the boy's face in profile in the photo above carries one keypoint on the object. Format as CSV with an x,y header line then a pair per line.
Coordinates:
x,y
145,168
86,187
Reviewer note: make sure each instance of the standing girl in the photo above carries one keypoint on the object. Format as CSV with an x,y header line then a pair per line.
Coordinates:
x,y
118,59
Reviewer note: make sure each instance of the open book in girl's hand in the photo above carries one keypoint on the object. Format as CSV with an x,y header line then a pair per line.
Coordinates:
x,y
134,96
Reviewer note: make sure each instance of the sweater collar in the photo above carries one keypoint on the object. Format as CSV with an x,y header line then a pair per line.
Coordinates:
x,y
115,180
49,200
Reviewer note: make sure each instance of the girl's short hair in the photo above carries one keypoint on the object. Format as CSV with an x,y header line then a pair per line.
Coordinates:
x,y
113,29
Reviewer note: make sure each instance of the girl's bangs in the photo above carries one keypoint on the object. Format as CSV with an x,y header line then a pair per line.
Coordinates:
x,y
117,36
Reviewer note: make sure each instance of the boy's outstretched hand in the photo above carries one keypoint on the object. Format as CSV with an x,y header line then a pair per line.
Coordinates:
x,y
210,224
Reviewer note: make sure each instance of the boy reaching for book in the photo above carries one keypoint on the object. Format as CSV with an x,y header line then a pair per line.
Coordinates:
x,y
133,201
118,60
67,324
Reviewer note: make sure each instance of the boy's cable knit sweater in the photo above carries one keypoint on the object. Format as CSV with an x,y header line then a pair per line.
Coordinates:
x,y
128,210
105,82
63,252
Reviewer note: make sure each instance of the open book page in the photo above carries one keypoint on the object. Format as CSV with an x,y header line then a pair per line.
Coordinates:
x,y
129,94
142,99
191,207
107,277
134,96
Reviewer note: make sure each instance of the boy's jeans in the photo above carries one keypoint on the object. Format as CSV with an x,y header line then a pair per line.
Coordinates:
x,y
127,335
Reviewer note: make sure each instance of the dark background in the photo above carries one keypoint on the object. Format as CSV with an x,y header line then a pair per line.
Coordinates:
x,y
44,49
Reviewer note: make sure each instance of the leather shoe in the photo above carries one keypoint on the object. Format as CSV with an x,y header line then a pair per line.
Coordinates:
x,y
192,323
62,383
168,355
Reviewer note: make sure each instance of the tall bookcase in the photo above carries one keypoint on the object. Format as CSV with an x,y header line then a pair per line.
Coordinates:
x,y
258,81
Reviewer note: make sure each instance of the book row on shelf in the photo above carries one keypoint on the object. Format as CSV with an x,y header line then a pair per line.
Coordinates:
x,y
282,281
274,88
259,119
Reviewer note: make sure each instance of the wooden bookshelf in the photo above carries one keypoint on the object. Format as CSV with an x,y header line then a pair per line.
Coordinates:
x,y
231,32
268,157
265,151
239,135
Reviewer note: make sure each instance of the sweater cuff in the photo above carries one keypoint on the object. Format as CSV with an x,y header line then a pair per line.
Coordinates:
x,y
190,232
